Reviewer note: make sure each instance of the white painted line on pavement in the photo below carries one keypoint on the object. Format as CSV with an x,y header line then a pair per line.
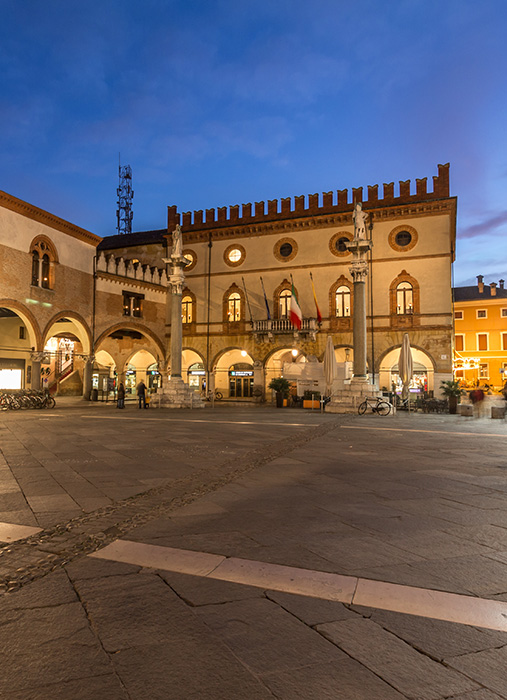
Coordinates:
x,y
9,532
423,602
415,430
198,420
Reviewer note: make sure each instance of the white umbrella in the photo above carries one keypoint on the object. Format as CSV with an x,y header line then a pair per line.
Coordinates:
x,y
405,365
329,365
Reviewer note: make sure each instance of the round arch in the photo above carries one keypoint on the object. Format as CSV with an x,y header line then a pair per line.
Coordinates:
x,y
193,368
32,326
423,363
143,330
83,331
233,372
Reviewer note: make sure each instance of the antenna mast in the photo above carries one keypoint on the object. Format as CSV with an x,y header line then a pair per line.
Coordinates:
x,y
125,194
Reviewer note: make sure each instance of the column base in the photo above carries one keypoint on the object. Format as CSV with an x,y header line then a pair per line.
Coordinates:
x,y
176,394
347,400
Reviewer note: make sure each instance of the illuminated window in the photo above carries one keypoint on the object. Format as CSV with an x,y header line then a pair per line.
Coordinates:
x,y
342,302
484,370
234,307
284,300
133,304
234,255
404,299
43,259
186,309
45,271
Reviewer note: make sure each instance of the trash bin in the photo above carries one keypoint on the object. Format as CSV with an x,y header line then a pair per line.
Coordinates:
x,y
95,395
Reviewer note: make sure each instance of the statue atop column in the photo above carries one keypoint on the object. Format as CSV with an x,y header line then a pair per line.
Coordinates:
x,y
360,218
177,237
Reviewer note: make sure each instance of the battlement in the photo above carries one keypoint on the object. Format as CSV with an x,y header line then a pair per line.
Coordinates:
x,y
312,204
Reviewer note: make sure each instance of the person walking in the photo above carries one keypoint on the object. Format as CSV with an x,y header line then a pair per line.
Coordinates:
x,y
141,393
121,396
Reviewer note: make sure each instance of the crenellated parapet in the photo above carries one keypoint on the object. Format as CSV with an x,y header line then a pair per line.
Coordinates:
x,y
122,267
312,204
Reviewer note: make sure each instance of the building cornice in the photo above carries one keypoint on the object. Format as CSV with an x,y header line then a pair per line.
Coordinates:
x,y
8,201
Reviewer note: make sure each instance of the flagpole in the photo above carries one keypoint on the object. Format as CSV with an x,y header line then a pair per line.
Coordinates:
x,y
265,299
247,301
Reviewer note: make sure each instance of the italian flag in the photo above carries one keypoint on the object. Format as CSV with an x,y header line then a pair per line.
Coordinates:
x,y
296,317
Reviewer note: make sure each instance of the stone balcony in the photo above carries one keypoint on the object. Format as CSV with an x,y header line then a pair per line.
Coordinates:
x,y
268,329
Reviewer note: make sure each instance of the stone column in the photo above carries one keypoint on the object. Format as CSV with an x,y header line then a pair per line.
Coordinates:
x,y
359,272
259,381
176,281
87,376
36,358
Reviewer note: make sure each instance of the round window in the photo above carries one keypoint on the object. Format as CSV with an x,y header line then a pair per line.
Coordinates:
x,y
285,250
403,239
234,255
341,244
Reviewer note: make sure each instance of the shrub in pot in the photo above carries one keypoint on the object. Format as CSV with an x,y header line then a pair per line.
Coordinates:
x,y
452,390
281,387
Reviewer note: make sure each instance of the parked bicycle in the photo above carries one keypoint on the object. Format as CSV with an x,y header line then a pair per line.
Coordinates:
x,y
13,401
216,395
377,405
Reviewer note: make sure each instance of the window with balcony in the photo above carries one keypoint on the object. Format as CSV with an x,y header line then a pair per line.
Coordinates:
x,y
284,303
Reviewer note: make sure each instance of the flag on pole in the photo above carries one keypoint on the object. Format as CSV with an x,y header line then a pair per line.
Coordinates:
x,y
296,317
319,315
266,300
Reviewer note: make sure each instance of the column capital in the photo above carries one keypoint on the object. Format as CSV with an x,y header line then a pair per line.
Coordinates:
x,y
37,356
359,270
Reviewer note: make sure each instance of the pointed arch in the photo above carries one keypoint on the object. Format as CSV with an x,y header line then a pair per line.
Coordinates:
x,y
234,309
404,301
341,304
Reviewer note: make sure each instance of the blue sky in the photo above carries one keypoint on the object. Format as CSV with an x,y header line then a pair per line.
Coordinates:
x,y
219,102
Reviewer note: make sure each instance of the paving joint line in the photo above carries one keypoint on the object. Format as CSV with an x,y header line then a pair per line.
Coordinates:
x,y
70,542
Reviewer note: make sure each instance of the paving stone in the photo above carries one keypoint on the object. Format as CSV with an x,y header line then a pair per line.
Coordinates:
x,y
436,638
197,591
48,645
250,627
396,662
88,568
311,611
344,679
136,610
95,688
478,695
52,590
187,669
489,668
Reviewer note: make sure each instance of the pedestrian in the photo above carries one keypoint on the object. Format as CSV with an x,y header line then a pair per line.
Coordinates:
x,y
121,396
141,393
477,397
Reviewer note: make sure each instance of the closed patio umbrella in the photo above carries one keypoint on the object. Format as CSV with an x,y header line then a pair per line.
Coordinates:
x,y
329,365
405,365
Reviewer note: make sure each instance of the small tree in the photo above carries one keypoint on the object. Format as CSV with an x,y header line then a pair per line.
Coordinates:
x,y
451,388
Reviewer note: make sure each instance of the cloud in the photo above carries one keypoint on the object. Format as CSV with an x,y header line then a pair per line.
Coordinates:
x,y
486,227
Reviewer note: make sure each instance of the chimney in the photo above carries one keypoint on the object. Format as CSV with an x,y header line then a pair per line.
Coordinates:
x,y
480,283
492,288
501,283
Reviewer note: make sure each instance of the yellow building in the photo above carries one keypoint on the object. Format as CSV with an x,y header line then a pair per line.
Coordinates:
x,y
480,333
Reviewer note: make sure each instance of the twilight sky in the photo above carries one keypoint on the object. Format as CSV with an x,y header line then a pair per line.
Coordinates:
x,y
219,102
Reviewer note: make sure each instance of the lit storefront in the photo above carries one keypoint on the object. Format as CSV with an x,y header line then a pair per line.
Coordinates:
x,y
196,376
241,379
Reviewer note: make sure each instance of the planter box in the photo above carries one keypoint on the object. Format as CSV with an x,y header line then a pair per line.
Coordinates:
x,y
308,403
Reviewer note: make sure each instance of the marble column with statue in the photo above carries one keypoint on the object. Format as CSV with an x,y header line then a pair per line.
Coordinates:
x,y
348,398
175,393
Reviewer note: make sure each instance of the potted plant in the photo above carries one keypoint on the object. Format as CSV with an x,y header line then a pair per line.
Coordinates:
x,y
281,387
311,399
452,390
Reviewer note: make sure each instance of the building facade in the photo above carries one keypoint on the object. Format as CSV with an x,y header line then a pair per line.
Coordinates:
x,y
244,263
480,334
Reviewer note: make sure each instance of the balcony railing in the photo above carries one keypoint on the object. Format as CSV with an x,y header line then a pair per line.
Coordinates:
x,y
283,325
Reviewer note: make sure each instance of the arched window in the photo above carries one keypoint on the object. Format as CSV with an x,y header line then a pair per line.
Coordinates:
x,y
44,257
404,299
45,271
234,307
342,302
284,301
186,309
35,268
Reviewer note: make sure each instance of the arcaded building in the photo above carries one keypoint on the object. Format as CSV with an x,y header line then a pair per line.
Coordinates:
x,y
243,263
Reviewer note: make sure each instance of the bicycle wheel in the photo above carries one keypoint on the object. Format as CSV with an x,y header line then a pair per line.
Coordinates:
x,y
50,402
362,408
383,408
218,396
